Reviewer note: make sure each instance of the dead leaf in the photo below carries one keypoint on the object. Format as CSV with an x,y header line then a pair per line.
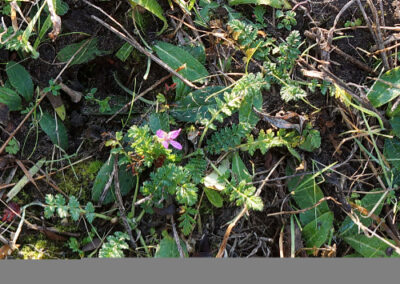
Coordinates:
x,y
5,251
281,123
55,19
95,244
26,172
58,105
53,236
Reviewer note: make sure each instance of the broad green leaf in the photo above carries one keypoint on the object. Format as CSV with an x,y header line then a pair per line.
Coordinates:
x,y
102,178
194,106
368,202
124,52
153,7
392,151
395,123
88,52
10,98
175,57
306,194
316,232
239,169
368,247
168,248
381,92
214,197
126,182
159,121
273,3
20,79
55,130
197,52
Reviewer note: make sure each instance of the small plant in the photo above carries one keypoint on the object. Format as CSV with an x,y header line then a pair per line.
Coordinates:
x,y
53,88
286,19
104,105
357,22
13,147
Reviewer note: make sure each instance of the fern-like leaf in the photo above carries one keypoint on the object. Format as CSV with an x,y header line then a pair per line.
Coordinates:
x,y
227,138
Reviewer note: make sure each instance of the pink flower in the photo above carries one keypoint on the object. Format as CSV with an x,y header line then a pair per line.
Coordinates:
x,y
168,138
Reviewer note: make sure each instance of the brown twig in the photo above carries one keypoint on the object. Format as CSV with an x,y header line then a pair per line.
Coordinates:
x,y
378,220
377,37
107,186
121,204
176,237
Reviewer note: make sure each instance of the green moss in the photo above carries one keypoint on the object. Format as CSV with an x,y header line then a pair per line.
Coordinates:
x,y
37,247
81,187
67,228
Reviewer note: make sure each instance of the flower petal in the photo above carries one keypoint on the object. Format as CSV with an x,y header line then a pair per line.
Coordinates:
x,y
161,134
173,134
165,144
176,145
